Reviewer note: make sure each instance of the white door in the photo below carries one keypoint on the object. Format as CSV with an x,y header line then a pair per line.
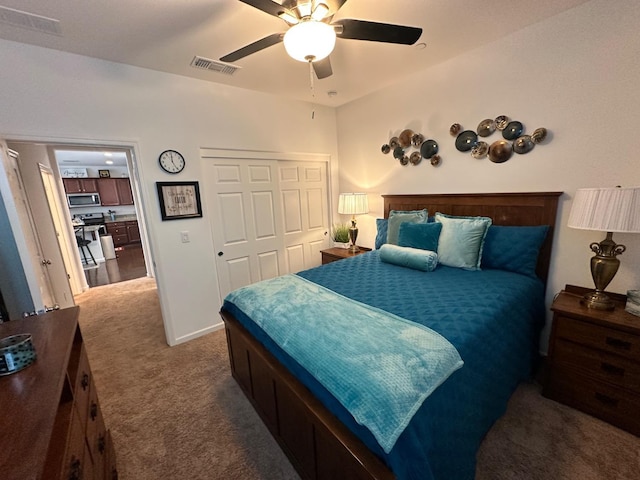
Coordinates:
x,y
303,189
35,264
268,218
67,267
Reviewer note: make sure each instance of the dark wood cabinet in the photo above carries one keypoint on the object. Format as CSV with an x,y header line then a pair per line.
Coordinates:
x,y
51,420
594,359
80,185
124,233
115,191
333,254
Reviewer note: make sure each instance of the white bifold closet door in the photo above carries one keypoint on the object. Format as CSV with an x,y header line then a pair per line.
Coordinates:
x,y
269,218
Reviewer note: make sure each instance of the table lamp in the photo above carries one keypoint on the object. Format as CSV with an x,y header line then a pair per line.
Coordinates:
x,y
608,210
353,204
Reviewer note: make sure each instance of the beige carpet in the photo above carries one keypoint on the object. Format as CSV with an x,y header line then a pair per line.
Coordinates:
x,y
175,412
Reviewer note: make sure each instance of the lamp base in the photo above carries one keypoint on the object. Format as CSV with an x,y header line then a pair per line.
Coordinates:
x,y
597,301
354,249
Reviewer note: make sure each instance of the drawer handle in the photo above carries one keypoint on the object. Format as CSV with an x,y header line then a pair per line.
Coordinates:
x,y
75,472
606,399
101,443
612,369
85,381
114,474
614,342
94,410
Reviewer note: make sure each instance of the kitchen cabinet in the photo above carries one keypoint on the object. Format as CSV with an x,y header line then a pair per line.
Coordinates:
x,y
133,232
124,233
80,185
115,191
52,424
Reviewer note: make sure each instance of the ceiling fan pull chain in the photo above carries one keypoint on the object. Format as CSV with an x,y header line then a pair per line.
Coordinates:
x,y
311,78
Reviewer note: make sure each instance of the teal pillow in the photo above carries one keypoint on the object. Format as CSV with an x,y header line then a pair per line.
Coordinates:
x,y
420,235
514,249
461,240
381,232
398,217
414,258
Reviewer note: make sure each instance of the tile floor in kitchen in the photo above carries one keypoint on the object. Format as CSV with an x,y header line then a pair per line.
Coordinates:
x,y
128,264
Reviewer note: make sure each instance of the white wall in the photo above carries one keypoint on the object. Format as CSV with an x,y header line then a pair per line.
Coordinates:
x,y
576,74
54,96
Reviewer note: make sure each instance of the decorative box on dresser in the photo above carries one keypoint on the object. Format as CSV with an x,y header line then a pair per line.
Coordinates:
x,y
336,253
50,419
594,359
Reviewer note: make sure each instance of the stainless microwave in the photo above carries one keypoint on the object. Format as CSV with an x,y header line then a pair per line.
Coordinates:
x,y
83,200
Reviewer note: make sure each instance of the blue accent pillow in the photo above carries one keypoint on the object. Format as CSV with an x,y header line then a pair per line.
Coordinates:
x,y
514,249
398,217
420,235
414,258
381,233
461,240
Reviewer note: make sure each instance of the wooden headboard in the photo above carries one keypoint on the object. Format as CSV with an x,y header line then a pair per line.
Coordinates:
x,y
530,208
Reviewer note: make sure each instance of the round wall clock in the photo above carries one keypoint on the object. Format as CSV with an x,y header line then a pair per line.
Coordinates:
x,y
171,161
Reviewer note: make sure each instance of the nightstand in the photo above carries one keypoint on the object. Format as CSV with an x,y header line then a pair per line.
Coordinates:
x,y
594,359
332,254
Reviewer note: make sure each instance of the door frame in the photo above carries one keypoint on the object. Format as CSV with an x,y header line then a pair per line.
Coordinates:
x,y
131,149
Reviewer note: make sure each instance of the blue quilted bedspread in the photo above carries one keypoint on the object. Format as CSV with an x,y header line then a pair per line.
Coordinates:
x,y
492,317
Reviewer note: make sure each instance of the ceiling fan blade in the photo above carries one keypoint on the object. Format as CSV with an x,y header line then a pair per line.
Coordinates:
x,y
377,32
270,7
322,68
253,47
334,6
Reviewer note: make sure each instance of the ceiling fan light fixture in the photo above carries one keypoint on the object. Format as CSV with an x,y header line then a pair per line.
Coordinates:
x,y
320,11
310,41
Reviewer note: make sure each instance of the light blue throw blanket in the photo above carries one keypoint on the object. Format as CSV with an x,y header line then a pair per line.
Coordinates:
x,y
379,366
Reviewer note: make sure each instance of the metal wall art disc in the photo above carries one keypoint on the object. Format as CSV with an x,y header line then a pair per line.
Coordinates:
x,y
405,138
466,140
429,148
523,144
512,131
435,160
455,129
501,122
538,135
398,152
486,127
500,151
417,140
404,160
480,150
394,142
415,158
385,149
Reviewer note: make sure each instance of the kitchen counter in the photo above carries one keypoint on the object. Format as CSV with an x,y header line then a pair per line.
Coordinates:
x,y
120,218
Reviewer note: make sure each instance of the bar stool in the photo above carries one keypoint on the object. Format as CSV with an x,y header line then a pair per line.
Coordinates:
x,y
83,244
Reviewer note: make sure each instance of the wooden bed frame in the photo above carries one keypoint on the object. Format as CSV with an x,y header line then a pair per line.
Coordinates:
x,y
318,445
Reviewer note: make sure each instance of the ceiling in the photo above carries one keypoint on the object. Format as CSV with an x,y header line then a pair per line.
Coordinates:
x,y
166,36
84,157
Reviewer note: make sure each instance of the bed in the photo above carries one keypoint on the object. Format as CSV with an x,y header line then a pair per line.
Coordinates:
x,y
491,316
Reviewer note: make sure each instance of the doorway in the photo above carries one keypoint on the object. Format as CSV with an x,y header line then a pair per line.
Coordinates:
x,y
111,165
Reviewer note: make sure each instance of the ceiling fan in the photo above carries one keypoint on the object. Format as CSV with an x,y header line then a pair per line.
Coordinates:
x,y
311,35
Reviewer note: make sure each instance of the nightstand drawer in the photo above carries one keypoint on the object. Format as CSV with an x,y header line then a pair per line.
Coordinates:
x,y
601,365
611,404
621,343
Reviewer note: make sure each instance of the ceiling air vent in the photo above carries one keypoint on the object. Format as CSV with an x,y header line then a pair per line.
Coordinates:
x,y
206,64
29,20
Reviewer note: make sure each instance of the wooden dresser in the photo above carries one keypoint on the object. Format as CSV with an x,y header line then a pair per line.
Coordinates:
x,y
51,423
594,359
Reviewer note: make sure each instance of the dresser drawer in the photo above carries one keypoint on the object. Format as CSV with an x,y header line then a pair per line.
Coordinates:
x,y
83,386
614,405
621,343
602,365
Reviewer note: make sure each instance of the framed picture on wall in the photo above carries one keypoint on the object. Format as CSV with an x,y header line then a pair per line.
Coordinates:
x,y
179,200
104,173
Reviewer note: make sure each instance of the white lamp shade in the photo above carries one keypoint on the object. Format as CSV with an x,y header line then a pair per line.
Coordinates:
x,y
310,40
353,204
612,209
